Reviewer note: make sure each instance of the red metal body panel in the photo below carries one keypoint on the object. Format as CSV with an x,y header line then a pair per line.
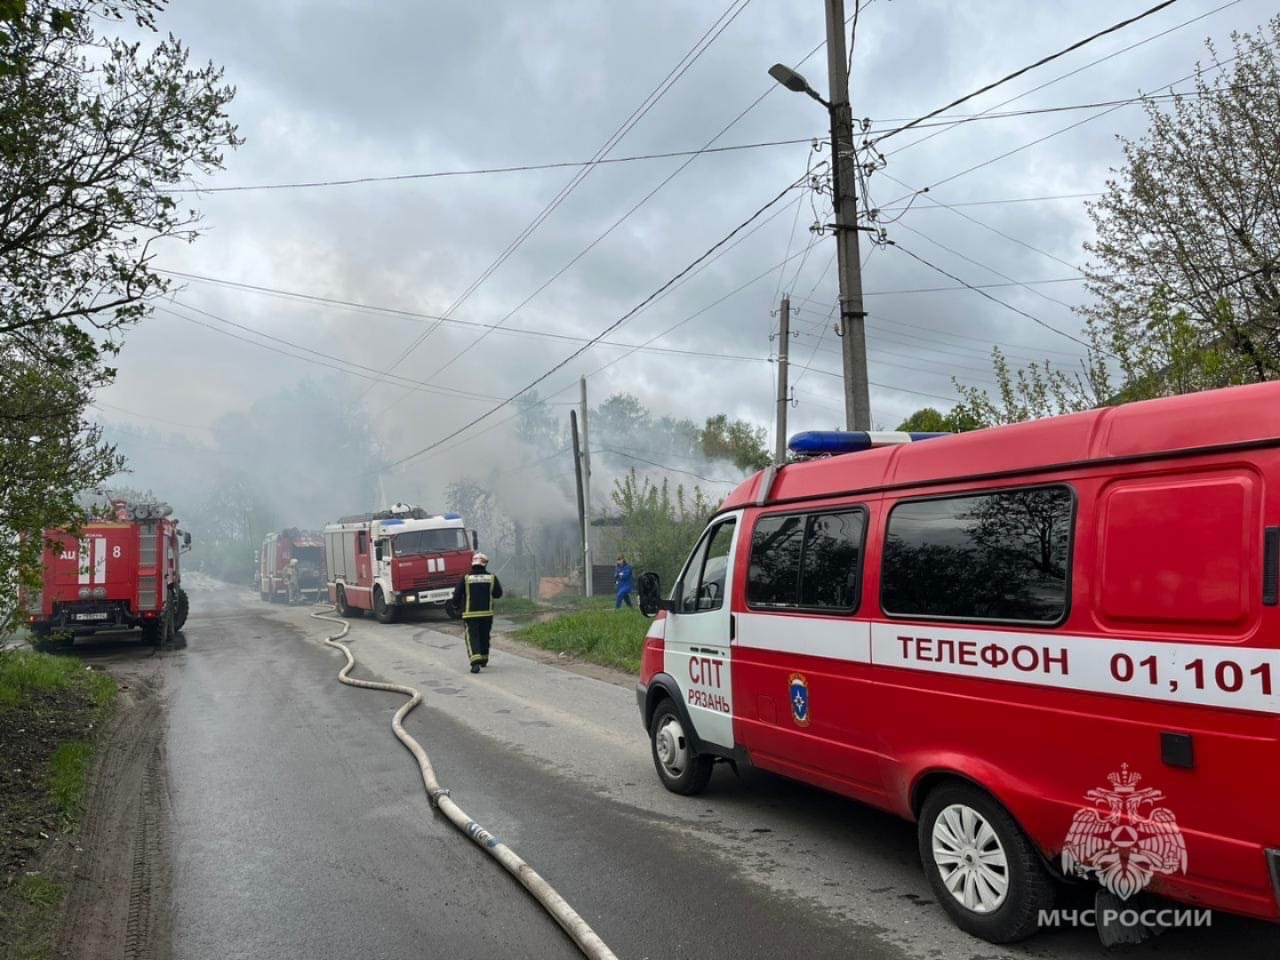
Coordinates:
x,y
1165,632
114,573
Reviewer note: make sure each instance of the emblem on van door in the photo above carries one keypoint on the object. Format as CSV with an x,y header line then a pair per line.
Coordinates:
x,y
798,694
1124,839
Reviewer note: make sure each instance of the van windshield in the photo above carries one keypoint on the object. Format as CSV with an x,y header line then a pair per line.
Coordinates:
x,y
421,542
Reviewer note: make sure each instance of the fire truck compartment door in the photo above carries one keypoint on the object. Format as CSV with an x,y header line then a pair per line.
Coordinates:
x,y
698,633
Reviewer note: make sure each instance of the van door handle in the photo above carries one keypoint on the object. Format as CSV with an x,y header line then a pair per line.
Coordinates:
x,y
733,627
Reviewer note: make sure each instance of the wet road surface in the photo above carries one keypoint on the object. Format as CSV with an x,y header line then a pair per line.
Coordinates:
x,y
300,828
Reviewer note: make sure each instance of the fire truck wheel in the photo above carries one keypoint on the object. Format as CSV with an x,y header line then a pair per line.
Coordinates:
x,y
385,612
984,871
340,603
151,632
180,614
679,768
452,609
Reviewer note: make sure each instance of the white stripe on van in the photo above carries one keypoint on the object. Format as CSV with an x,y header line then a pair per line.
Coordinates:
x,y
1202,674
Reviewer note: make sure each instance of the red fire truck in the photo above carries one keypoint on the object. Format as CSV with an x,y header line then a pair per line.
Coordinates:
x,y
397,558
278,549
120,571
1055,646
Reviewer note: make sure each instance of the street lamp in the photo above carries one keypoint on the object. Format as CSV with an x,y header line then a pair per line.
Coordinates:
x,y
844,175
794,82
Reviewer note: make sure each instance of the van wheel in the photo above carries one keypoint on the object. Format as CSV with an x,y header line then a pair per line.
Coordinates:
x,y
340,602
383,611
679,768
984,871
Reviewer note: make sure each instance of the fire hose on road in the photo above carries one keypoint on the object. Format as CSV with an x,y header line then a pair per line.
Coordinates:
x,y
579,931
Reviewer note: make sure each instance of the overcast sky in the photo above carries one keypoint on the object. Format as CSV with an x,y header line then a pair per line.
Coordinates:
x,y
335,89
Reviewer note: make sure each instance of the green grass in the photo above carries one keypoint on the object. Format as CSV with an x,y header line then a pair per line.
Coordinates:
x,y
29,920
68,770
597,633
516,607
24,672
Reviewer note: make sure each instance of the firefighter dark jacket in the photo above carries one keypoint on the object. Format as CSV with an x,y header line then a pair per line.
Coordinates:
x,y
475,593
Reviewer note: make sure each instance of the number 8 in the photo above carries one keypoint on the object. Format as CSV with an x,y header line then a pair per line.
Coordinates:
x,y
115,552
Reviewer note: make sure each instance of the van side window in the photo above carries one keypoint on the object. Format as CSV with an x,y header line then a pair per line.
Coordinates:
x,y
807,561
708,571
1001,556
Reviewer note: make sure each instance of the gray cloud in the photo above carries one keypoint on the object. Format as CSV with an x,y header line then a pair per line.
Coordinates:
x,y
339,89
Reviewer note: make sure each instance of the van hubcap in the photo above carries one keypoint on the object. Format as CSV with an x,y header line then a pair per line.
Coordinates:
x,y
970,858
671,746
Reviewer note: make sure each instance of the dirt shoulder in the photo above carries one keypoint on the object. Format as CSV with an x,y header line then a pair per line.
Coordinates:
x,y
89,881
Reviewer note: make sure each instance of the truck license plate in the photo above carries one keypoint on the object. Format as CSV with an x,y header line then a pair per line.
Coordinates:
x,y
91,616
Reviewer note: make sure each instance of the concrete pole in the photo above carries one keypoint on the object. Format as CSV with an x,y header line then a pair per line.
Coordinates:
x,y
784,350
844,181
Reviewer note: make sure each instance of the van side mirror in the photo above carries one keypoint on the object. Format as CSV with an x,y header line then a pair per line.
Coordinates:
x,y
475,540
186,538
651,595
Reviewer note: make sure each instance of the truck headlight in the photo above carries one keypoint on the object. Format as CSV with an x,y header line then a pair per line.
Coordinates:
x,y
100,593
85,593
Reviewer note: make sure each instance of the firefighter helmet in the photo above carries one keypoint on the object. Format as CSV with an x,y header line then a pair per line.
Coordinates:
x,y
479,560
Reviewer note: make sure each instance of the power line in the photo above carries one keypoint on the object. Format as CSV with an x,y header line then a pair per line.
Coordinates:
x,y
663,466
100,405
993,299
941,126
611,327
1217,65
704,42
1068,74
354,305
1017,73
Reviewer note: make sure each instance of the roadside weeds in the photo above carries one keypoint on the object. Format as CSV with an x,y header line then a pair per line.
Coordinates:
x,y
51,709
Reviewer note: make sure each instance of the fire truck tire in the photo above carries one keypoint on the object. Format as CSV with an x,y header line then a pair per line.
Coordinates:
x,y
383,611
983,870
344,609
181,611
151,632
679,768
452,609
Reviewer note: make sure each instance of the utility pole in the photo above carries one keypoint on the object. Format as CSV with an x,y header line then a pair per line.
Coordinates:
x,y
784,350
844,181
577,476
586,491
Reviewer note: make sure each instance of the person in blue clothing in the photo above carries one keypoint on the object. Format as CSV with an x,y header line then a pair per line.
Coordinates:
x,y
622,581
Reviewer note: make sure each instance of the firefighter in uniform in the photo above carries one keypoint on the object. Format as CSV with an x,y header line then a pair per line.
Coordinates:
x,y
474,596
291,579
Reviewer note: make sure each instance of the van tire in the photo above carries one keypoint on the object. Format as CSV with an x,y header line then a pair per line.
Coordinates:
x,y
384,612
1028,887
680,769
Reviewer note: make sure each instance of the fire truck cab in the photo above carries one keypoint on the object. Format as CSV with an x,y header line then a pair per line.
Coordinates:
x,y
1053,645
120,571
397,558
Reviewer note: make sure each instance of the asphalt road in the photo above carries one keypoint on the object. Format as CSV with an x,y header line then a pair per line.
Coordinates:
x,y
300,828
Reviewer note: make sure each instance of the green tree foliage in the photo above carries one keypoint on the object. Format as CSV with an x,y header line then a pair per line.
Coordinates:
x,y
1185,267
740,442
1187,255
92,132
931,420
661,525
